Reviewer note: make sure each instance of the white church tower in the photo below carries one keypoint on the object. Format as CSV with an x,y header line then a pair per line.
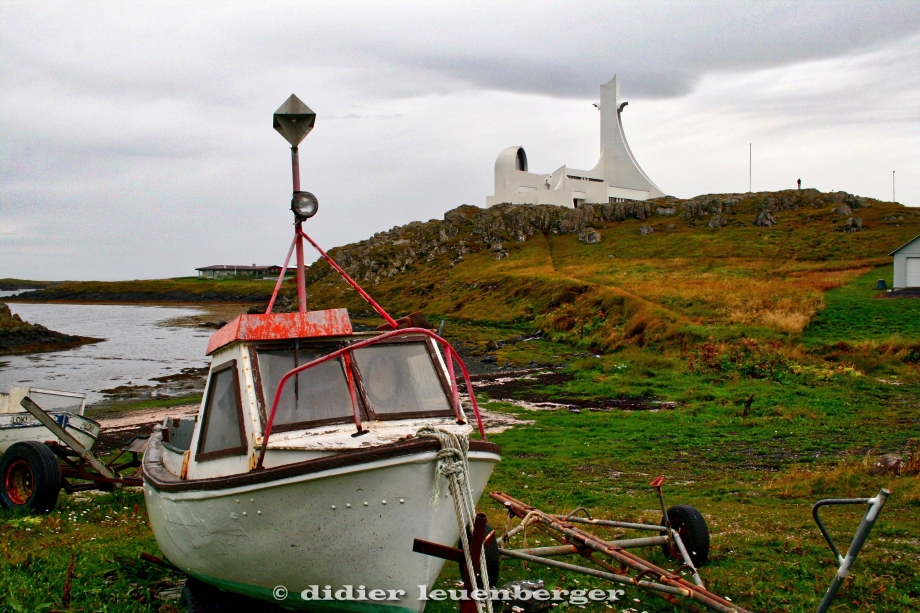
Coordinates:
x,y
616,177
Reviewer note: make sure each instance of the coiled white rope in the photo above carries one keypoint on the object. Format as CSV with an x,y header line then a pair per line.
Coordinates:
x,y
453,463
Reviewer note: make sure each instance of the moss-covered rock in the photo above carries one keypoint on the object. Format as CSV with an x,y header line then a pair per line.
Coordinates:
x,y
18,336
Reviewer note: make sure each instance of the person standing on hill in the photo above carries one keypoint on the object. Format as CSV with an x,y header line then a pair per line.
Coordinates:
x,y
799,181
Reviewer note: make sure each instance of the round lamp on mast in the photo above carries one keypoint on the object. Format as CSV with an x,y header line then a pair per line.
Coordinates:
x,y
304,205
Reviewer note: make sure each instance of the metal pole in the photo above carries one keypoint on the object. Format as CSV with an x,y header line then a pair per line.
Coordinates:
x,y
301,281
893,199
287,260
862,533
750,164
295,168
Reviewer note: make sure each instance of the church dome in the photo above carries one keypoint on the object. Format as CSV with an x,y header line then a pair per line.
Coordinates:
x,y
512,158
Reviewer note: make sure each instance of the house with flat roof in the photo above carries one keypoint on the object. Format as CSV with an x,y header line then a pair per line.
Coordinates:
x,y
234,270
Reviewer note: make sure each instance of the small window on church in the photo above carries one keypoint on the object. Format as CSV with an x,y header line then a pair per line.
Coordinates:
x,y
222,431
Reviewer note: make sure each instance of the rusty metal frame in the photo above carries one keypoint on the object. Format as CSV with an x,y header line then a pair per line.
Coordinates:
x,y
613,557
478,540
78,462
75,467
380,311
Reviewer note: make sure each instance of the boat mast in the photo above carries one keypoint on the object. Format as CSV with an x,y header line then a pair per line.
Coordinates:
x,y
294,120
301,282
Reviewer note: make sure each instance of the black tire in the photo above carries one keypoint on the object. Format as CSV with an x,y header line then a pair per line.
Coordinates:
x,y
30,477
493,558
693,532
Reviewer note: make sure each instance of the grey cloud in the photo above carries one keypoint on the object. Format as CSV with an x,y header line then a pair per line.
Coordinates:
x,y
661,49
563,50
153,120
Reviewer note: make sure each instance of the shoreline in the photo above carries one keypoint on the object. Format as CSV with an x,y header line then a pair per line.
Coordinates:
x,y
172,302
19,337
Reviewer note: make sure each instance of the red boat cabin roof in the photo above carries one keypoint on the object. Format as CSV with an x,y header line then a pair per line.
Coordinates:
x,y
281,326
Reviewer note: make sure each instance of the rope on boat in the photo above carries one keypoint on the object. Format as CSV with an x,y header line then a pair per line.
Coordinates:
x,y
453,463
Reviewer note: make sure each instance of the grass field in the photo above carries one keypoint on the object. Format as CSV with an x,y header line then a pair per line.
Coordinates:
x,y
789,377
180,289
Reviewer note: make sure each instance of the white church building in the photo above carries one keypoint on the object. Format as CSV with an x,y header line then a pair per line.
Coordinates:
x,y
616,177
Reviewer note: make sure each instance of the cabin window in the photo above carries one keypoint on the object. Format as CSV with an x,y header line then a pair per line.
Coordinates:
x,y
400,378
222,431
318,394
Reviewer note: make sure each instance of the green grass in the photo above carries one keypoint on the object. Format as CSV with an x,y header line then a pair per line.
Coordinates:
x,y
856,312
754,477
181,289
105,534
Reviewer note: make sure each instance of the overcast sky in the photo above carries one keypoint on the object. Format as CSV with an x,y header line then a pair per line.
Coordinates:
x,y
136,139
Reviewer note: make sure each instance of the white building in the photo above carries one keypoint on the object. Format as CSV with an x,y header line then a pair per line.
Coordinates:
x,y
907,264
616,177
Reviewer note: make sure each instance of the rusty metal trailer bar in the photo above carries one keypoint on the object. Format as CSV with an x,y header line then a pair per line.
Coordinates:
x,y
669,585
665,584
78,462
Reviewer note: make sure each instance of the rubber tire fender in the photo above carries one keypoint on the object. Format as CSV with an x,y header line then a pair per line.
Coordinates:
x,y
46,476
693,531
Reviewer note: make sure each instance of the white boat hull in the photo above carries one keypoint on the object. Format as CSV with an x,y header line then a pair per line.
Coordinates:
x,y
351,525
18,427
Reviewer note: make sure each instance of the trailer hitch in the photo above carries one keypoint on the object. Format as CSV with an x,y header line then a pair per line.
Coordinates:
x,y
859,539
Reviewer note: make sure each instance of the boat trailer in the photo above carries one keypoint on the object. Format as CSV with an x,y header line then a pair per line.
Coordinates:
x,y
616,559
79,469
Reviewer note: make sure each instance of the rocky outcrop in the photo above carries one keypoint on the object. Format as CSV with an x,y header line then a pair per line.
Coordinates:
x,y
468,229
853,224
589,236
843,209
18,336
765,219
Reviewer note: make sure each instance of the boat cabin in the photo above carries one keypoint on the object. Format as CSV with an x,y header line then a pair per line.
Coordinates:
x,y
360,390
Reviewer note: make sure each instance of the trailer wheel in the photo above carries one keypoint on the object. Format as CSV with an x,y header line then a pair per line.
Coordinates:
x,y
493,558
200,597
29,477
693,532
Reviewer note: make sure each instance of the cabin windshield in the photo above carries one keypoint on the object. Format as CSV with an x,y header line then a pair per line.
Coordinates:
x,y
400,378
396,380
316,394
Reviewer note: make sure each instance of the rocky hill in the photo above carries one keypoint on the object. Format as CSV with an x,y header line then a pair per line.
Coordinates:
x,y
601,276
469,228
18,336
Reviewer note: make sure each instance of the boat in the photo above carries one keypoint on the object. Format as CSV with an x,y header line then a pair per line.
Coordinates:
x,y
18,425
317,456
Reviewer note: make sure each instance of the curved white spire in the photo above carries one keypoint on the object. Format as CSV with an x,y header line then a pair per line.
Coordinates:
x,y
620,166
